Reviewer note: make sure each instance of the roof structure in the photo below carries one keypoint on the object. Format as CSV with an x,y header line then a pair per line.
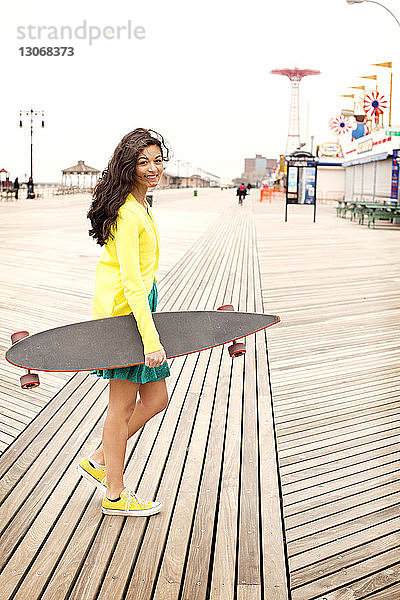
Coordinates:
x,y
80,169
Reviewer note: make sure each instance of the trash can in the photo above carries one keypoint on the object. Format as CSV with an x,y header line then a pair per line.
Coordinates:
x,y
194,192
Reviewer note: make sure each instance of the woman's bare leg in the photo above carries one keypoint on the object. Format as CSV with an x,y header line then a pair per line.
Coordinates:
x,y
153,398
122,398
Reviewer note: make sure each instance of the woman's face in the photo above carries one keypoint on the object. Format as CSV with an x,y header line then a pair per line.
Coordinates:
x,y
149,166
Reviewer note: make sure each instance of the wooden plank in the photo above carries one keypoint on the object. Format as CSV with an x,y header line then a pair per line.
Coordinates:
x,y
337,540
345,405
249,558
327,480
327,440
223,576
380,435
33,561
385,558
82,529
307,501
88,555
334,379
379,402
46,414
364,496
383,593
50,284
301,535
204,521
139,574
335,427
19,509
289,396
276,582
29,445
82,582
365,459
171,569
197,562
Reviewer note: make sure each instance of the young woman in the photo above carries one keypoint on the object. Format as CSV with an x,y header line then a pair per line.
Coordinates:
x,y
123,223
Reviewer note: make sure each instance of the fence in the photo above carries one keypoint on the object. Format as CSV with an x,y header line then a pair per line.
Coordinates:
x,y
270,193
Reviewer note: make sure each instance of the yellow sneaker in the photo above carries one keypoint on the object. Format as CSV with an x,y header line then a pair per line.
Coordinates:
x,y
93,473
130,505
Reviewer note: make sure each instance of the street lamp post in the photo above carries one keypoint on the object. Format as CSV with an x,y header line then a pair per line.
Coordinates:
x,y
375,2
31,114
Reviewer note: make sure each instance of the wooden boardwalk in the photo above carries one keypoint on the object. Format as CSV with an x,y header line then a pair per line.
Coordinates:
x,y
335,380
48,273
269,492
210,457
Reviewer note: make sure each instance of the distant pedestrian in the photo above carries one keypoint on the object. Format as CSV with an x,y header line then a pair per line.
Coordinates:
x,y
16,187
249,186
30,189
241,192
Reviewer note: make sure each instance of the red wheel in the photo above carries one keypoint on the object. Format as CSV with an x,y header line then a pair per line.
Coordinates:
x,y
226,307
18,335
30,380
237,349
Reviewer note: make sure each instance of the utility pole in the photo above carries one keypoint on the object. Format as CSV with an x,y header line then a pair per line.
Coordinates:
x,y
31,114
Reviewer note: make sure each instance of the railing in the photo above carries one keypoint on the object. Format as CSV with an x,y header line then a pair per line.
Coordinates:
x,y
330,196
271,193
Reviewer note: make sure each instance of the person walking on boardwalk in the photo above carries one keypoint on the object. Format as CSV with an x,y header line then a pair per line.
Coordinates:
x,y
30,190
123,223
16,187
241,192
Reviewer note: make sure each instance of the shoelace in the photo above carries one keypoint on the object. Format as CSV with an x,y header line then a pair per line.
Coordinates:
x,y
132,495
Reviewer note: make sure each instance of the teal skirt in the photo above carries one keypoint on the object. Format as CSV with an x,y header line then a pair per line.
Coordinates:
x,y
138,373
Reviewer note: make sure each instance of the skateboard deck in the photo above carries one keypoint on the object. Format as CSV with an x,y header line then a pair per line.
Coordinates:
x,y
115,342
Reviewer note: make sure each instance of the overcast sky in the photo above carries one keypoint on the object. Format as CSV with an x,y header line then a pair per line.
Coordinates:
x,y
200,76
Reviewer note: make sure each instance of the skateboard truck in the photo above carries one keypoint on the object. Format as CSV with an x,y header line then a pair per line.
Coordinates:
x,y
30,380
237,348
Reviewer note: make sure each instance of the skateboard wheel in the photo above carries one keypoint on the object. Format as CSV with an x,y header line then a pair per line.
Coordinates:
x,y
18,335
31,380
237,349
226,307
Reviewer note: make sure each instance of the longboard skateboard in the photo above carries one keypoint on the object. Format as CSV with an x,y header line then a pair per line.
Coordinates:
x,y
116,342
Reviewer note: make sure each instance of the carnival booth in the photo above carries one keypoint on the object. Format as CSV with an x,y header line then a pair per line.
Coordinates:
x,y
372,167
5,182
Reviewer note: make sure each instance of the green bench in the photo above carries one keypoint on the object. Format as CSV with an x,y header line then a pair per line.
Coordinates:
x,y
373,210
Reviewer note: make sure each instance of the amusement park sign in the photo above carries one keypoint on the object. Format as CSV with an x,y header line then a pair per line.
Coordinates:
x,y
330,149
365,146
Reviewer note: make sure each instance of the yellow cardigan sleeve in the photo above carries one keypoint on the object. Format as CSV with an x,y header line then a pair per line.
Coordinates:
x,y
127,246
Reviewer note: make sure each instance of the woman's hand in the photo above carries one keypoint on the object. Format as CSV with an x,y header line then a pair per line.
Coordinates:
x,y
155,359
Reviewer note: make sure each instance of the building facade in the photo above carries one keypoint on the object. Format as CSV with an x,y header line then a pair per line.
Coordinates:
x,y
372,167
258,168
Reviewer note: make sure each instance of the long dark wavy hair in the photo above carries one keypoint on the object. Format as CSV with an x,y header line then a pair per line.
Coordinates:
x,y
117,180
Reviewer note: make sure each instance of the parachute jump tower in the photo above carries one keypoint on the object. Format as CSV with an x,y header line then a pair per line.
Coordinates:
x,y
295,75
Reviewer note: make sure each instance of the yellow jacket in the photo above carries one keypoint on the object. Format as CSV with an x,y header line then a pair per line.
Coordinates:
x,y
126,271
